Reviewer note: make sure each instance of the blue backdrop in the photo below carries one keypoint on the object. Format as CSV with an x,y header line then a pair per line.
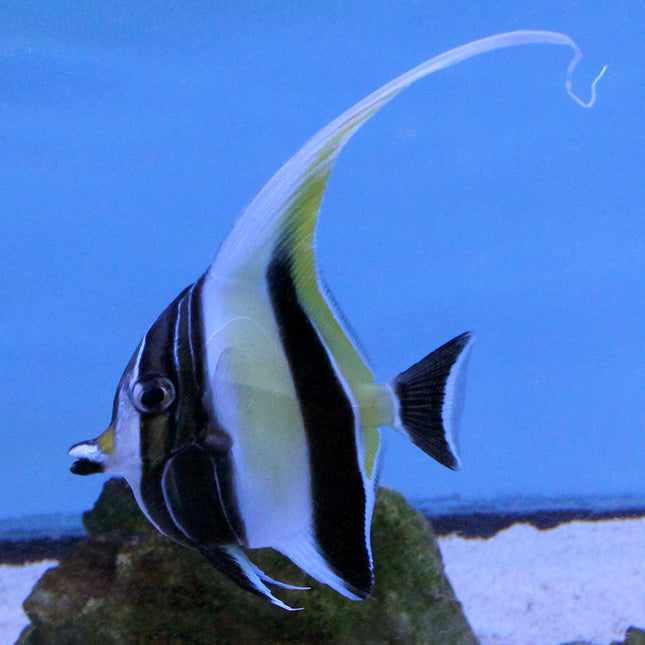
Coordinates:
x,y
133,133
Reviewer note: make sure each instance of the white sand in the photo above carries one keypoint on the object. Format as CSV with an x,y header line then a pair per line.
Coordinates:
x,y
15,585
581,581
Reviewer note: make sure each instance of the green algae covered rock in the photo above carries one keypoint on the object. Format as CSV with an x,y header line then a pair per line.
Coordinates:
x,y
128,585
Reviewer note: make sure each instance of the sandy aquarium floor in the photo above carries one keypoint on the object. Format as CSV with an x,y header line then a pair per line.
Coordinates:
x,y
580,581
16,583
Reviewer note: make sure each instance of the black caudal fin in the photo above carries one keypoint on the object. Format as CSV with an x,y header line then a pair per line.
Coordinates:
x,y
430,396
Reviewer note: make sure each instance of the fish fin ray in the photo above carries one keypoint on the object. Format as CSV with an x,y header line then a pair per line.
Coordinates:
x,y
305,552
345,325
430,397
235,564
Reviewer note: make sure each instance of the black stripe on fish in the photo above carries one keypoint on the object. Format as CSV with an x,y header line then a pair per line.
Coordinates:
x,y
337,488
214,441
187,481
156,357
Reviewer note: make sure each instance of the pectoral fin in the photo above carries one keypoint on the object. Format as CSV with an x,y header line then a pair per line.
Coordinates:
x,y
198,490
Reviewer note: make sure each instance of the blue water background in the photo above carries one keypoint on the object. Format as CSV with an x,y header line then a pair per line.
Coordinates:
x,y
133,133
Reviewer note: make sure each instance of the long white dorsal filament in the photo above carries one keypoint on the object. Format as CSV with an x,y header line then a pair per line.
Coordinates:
x,y
572,65
500,41
282,193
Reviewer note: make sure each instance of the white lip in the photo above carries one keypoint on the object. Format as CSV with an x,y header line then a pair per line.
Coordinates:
x,y
88,450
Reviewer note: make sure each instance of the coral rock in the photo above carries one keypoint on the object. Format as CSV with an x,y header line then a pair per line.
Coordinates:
x,y
128,585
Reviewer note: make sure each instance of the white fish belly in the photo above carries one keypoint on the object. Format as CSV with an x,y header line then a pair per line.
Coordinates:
x,y
255,402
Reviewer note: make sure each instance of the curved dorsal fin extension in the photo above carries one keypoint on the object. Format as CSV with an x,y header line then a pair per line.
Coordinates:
x,y
290,200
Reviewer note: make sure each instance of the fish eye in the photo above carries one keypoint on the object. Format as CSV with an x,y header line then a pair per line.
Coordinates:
x,y
152,395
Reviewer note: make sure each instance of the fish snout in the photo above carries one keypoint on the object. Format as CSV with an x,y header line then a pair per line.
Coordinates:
x,y
90,459
92,456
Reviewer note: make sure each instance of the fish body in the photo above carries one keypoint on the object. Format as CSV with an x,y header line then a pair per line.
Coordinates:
x,y
247,416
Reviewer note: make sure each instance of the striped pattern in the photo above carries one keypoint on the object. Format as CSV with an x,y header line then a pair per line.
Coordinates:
x,y
330,424
187,476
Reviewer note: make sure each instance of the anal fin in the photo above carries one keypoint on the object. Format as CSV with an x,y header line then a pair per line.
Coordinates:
x,y
305,552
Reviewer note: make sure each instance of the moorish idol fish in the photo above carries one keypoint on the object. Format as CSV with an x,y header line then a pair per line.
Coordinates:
x,y
248,417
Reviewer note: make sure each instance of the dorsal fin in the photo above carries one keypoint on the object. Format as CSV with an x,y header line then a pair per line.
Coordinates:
x,y
288,204
285,211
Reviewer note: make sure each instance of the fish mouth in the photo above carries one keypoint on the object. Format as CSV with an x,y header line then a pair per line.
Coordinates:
x,y
86,467
90,458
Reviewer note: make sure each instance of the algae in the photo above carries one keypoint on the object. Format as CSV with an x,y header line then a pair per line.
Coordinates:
x,y
128,585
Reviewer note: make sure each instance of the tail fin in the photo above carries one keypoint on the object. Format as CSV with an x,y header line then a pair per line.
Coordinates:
x,y
431,395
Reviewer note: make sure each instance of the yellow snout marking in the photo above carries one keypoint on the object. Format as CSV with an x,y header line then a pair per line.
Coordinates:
x,y
106,441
